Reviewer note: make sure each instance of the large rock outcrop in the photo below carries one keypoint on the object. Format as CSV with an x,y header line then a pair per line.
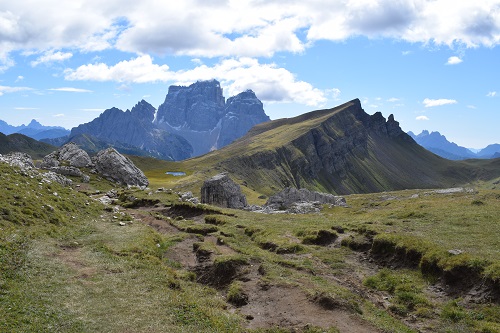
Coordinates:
x,y
115,167
70,154
222,191
289,196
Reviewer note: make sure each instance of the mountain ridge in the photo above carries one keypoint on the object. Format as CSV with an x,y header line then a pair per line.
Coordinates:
x,y
341,150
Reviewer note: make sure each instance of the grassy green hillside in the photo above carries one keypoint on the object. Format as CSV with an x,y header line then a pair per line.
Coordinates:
x,y
148,263
21,143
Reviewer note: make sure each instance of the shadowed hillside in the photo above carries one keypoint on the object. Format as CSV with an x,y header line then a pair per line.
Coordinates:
x,y
22,143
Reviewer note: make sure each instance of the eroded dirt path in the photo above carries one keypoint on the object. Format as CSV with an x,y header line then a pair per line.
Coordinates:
x,y
269,305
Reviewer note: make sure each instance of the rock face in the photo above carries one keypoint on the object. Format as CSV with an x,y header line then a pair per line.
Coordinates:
x,y
135,128
290,196
221,191
242,112
114,166
198,107
200,114
69,153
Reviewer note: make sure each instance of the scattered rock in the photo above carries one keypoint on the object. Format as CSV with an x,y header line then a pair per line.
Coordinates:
x,y
188,197
290,196
455,252
20,160
220,190
115,167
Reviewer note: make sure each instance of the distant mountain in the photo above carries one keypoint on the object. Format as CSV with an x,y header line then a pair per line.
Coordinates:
x,y
491,151
340,150
21,143
34,130
200,114
439,145
135,129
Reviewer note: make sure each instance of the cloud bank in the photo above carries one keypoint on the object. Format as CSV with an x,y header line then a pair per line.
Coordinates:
x,y
428,103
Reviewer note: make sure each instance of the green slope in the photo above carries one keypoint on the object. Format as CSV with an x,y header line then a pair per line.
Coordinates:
x,y
21,143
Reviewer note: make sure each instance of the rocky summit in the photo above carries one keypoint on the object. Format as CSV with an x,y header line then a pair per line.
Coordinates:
x,y
200,114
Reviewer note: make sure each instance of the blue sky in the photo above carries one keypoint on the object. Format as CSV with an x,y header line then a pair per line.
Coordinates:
x,y
434,64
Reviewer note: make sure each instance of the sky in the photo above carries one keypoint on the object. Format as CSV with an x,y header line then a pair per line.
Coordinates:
x,y
434,64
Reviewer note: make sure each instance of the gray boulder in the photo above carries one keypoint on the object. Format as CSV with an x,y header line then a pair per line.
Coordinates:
x,y
222,191
290,195
115,167
70,154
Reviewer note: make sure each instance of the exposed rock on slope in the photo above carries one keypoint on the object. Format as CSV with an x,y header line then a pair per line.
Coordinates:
x,y
291,195
69,153
118,168
220,190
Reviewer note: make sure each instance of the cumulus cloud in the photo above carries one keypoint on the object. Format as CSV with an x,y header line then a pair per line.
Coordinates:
x,y
491,94
250,28
70,89
51,56
270,82
438,102
422,118
454,60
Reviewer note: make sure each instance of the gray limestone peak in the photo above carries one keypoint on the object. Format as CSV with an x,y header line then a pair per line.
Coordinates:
x,y
220,190
198,107
115,167
243,111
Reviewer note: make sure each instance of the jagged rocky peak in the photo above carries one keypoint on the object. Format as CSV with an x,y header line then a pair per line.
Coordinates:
x,y
143,111
243,111
198,107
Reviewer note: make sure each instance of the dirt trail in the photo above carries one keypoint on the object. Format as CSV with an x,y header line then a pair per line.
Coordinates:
x,y
268,305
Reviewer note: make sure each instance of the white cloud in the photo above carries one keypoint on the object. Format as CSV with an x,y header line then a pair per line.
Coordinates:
x,y
25,108
51,56
393,100
20,78
238,28
59,115
491,94
471,107
270,82
7,89
438,102
422,118
69,89
454,60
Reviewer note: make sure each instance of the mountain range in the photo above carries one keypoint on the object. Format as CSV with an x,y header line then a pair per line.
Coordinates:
x,y
439,145
192,121
340,150
34,130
